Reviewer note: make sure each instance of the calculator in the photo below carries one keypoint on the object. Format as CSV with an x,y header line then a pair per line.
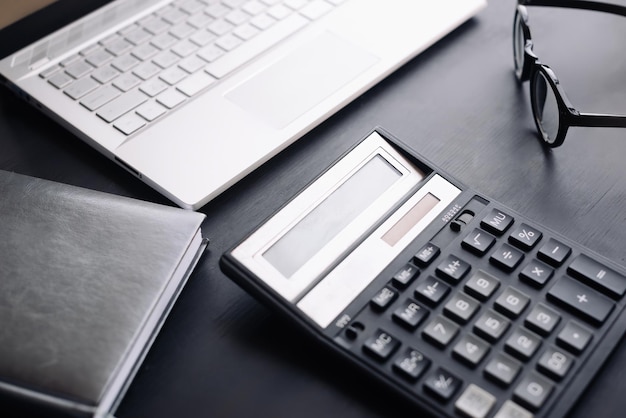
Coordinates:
x,y
464,306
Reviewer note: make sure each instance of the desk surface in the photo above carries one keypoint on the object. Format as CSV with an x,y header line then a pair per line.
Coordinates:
x,y
221,353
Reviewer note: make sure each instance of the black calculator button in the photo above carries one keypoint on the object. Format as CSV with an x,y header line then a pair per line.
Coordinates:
x,y
522,344
583,300
511,302
410,314
536,273
470,350
381,345
411,364
510,409
525,237
405,276
554,363
461,307
440,331
453,269
431,290
491,326
442,384
554,252
533,391
574,337
482,285
426,254
383,299
599,276
497,222
503,369
506,257
475,402
542,319
478,242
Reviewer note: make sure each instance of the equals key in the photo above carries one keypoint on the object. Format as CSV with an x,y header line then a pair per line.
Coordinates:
x,y
598,276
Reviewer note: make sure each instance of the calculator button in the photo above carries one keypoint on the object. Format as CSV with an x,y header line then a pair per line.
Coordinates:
x,y
471,350
522,344
478,242
475,402
533,391
542,319
410,314
453,269
512,410
440,331
574,337
411,364
511,302
442,384
536,273
482,285
383,299
525,237
597,275
503,369
590,304
554,252
496,222
381,345
554,363
507,257
491,326
461,307
405,276
431,290
426,254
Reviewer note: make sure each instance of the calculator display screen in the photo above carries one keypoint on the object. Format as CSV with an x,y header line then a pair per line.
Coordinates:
x,y
331,216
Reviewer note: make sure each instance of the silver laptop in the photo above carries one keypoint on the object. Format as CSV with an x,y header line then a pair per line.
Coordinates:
x,y
192,95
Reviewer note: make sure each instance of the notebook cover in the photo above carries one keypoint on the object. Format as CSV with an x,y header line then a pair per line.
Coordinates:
x,y
86,279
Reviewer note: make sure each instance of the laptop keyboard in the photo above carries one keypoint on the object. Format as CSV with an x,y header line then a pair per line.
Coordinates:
x,y
138,74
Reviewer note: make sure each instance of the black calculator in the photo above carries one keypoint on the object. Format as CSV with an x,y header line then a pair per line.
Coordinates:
x,y
464,306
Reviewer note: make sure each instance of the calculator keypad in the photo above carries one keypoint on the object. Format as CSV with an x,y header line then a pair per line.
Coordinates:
x,y
514,308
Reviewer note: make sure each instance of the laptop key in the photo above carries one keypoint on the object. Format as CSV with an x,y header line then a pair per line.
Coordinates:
x,y
170,98
129,123
121,105
81,87
195,83
100,97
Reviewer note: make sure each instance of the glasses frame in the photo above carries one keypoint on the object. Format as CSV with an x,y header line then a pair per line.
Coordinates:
x,y
531,69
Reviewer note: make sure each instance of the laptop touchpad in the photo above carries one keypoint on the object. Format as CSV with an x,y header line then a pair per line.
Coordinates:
x,y
302,79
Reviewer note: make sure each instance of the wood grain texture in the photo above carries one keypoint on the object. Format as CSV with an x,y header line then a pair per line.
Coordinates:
x,y
222,354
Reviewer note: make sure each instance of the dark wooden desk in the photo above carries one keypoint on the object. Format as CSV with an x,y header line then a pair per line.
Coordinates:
x,y
222,354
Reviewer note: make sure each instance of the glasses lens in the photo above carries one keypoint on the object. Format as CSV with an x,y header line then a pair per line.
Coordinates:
x,y
518,45
546,108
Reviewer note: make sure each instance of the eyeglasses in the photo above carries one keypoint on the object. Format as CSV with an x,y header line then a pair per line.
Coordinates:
x,y
553,112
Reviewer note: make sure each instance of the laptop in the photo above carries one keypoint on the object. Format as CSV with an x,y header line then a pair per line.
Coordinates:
x,y
192,95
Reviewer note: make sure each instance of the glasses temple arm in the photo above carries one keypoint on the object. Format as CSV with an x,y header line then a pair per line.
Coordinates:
x,y
582,4
599,120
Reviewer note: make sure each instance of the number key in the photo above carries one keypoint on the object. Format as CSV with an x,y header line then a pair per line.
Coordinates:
x,y
482,285
554,363
461,307
542,319
491,326
440,331
512,302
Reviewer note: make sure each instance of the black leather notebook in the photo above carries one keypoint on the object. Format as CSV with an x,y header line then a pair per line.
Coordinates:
x,y
86,280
